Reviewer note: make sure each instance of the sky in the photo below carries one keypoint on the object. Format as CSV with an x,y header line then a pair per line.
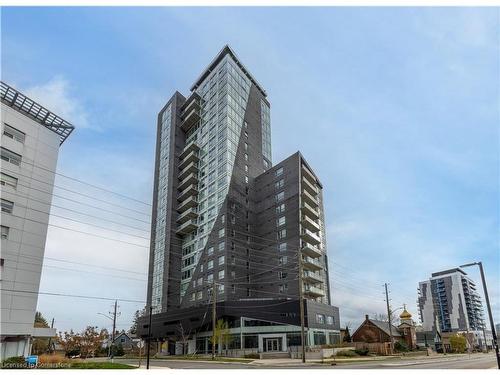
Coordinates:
x,y
396,109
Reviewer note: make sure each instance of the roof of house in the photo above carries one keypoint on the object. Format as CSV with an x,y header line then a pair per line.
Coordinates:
x,y
384,326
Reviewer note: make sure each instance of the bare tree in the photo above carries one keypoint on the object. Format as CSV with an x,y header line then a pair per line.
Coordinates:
x,y
183,337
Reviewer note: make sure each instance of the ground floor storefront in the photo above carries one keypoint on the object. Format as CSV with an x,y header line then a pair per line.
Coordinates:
x,y
251,336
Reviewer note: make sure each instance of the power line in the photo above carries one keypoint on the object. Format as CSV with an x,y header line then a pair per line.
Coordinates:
x,y
82,232
72,262
23,160
72,295
83,195
84,204
77,221
75,211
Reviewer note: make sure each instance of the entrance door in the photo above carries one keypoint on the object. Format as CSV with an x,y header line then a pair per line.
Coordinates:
x,y
273,345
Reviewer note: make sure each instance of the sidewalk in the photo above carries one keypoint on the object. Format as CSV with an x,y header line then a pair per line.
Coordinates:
x,y
283,362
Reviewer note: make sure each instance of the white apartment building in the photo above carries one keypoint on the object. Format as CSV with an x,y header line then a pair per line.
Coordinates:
x,y
30,139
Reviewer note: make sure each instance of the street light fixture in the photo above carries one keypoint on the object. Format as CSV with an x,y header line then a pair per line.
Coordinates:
x,y
490,315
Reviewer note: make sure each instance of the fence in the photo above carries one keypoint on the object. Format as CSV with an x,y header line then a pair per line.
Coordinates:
x,y
380,348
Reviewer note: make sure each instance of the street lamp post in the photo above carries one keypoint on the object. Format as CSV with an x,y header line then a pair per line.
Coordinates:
x,y
109,345
488,306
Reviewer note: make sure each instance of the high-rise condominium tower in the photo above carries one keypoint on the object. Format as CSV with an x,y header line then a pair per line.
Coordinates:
x,y
449,302
230,228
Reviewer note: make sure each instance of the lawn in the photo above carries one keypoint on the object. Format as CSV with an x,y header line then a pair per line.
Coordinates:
x,y
101,366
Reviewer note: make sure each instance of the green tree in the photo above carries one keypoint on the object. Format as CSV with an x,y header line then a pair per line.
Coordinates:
x,y
40,345
40,320
458,343
137,315
222,337
347,335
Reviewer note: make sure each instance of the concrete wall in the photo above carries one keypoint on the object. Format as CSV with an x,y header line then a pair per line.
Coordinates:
x,y
24,248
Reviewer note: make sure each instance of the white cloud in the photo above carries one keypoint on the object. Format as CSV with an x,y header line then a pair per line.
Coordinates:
x,y
56,95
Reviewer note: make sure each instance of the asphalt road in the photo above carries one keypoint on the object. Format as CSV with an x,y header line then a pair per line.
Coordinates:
x,y
476,361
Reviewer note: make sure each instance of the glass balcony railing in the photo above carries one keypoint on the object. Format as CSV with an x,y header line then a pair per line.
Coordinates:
x,y
310,237
311,264
307,209
310,250
310,224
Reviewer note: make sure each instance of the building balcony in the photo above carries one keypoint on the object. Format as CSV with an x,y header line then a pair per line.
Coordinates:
x,y
191,190
188,158
311,264
187,215
310,237
310,188
190,147
308,175
190,118
187,227
310,250
188,203
309,199
312,277
190,168
190,179
312,291
310,224
307,209
193,101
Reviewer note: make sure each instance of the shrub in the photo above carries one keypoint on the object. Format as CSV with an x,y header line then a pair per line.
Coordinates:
x,y
52,358
400,347
252,355
347,353
458,343
13,360
362,352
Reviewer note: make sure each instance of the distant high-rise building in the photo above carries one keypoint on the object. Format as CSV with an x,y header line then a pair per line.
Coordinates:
x,y
449,302
31,136
229,226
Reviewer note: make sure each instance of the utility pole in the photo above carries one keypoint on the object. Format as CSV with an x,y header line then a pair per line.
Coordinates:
x,y
149,336
488,306
301,306
389,315
114,323
214,316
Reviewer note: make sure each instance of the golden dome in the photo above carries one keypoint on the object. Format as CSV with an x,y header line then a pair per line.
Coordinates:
x,y
405,314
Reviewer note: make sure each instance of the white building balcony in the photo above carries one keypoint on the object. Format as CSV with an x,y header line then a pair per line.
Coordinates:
x,y
313,213
187,227
190,179
188,203
306,173
310,188
312,277
190,168
190,118
311,264
188,158
310,237
190,147
309,199
187,215
310,224
191,190
310,250
313,291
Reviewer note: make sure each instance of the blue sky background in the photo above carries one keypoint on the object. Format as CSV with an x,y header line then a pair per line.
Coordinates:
x,y
396,109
